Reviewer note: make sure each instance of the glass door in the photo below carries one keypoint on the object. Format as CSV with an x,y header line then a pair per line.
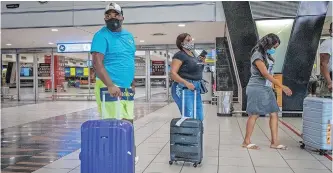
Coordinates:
x,y
159,80
74,77
26,72
43,77
8,78
140,75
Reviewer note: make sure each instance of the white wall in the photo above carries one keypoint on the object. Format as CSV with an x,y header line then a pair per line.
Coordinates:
x,y
28,58
91,13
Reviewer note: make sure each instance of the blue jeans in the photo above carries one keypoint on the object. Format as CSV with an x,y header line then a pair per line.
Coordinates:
x,y
177,95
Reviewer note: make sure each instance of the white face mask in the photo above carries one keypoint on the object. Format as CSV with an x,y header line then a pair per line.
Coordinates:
x,y
189,46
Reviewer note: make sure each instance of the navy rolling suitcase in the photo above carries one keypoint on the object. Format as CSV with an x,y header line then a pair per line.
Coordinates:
x,y
317,123
186,137
107,145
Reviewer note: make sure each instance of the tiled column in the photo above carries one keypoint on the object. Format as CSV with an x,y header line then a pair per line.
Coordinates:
x,y
301,53
243,38
225,79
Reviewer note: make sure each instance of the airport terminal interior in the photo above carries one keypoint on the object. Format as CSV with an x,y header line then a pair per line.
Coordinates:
x,y
48,82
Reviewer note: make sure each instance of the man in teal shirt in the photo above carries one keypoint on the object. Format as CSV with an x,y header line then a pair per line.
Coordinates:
x,y
113,53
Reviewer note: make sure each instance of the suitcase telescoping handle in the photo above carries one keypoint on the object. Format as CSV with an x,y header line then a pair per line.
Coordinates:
x,y
194,104
104,93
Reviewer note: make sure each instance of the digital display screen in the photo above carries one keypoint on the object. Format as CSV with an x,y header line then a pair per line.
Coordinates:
x,y
67,72
25,72
79,71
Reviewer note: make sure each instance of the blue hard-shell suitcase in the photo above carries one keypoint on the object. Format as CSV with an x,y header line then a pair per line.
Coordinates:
x,y
317,123
107,145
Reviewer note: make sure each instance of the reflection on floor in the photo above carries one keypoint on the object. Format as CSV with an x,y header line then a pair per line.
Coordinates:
x,y
8,103
222,150
28,147
77,93
51,145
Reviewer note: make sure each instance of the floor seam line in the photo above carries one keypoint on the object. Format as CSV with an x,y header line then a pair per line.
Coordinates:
x,y
246,149
276,149
152,133
155,157
75,111
296,141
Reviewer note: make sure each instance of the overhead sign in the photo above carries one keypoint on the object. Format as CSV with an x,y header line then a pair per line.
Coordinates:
x,y
73,47
12,6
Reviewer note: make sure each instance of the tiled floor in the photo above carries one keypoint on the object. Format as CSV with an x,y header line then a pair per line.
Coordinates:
x,y
10,103
29,146
27,95
222,151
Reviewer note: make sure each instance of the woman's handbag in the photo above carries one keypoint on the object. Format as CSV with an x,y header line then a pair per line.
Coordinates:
x,y
203,88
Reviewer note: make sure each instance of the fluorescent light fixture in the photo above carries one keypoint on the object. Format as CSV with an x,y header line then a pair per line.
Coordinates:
x,y
54,30
51,43
142,41
181,25
8,44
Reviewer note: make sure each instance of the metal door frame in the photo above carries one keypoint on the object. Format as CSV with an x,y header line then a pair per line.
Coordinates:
x,y
19,78
55,97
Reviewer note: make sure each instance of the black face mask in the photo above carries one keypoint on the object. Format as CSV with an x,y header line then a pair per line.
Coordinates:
x,y
113,24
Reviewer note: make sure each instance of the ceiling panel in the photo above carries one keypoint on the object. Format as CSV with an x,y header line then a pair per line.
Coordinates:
x,y
274,9
203,32
36,38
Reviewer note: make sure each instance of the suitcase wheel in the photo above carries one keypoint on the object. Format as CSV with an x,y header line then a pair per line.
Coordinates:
x,y
302,146
170,162
195,165
321,152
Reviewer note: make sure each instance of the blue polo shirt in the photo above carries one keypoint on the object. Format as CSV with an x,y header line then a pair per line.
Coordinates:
x,y
118,49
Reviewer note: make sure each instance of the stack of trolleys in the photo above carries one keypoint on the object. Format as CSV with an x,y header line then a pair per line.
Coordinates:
x,y
317,124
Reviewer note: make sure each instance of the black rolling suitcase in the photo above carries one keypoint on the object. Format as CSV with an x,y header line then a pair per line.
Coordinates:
x,y
186,137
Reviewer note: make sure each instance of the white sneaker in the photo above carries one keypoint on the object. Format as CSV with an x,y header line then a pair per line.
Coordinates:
x,y
136,159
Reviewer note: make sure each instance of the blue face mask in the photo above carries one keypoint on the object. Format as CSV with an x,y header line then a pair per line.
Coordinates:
x,y
271,51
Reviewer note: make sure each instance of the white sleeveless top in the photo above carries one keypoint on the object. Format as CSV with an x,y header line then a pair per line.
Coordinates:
x,y
326,47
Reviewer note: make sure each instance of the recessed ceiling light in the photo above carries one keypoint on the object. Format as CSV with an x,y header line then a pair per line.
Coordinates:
x,y
142,41
51,43
193,39
54,30
181,25
8,44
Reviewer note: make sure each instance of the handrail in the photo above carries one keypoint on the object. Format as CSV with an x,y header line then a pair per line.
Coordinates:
x,y
234,66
